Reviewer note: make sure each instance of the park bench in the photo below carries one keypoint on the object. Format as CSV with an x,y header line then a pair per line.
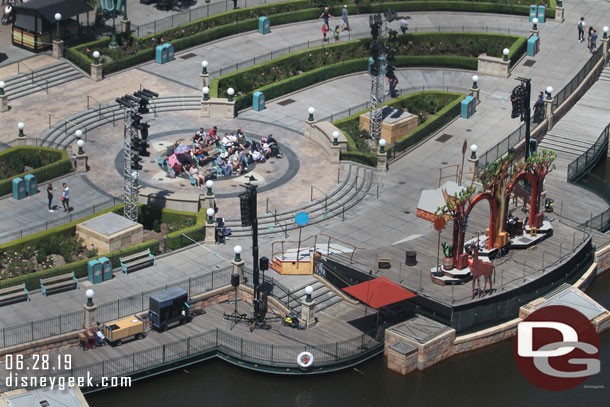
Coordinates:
x,y
13,293
54,283
136,261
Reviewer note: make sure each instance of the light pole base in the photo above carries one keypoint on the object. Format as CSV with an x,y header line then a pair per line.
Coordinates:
x,y
126,26
4,103
58,49
96,72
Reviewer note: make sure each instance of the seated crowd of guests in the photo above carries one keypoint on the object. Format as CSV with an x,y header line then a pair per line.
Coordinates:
x,y
226,156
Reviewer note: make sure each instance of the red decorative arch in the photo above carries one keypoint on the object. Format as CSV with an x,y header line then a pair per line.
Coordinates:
x,y
534,197
493,216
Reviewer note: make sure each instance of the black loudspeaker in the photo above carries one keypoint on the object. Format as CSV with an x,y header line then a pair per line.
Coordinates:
x,y
264,263
235,280
410,258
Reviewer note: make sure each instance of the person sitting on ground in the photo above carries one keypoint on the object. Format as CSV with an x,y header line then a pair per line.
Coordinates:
x,y
229,142
222,163
199,136
199,177
213,137
240,160
198,154
256,153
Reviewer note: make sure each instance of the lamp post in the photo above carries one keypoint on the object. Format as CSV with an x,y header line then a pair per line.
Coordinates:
x,y
473,151
475,81
206,93
335,138
96,57
549,92
2,88
20,126
535,22
308,292
237,251
605,32
80,144
230,92
210,212
89,293
382,144
209,184
58,19
204,67
311,111
505,52
113,42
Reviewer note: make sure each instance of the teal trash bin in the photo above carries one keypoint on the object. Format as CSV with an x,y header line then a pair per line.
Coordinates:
x,y
94,268
468,107
169,52
18,188
264,25
382,65
541,13
31,184
533,12
161,54
533,46
106,268
258,101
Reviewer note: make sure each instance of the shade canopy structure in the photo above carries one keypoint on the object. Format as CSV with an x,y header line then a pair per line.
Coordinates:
x,y
432,199
48,8
379,292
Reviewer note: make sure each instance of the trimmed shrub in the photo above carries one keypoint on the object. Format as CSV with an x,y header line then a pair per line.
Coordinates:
x,y
176,240
17,157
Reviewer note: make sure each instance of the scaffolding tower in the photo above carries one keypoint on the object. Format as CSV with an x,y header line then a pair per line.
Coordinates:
x,y
377,94
130,176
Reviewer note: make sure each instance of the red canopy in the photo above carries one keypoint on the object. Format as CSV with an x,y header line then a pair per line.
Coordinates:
x,y
379,292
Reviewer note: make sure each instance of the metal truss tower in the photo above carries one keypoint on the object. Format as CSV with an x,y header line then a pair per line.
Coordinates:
x,y
377,94
130,176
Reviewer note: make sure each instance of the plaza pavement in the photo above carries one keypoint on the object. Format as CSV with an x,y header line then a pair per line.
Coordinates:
x,y
391,217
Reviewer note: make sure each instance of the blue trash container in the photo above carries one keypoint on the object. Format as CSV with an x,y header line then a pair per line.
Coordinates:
x,y
258,101
533,12
533,46
161,54
106,268
541,13
469,105
18,188
94,268
382,65
169,52
31,184
264,25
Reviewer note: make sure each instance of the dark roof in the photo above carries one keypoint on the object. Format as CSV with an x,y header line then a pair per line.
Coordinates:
x,y
48,8
169,294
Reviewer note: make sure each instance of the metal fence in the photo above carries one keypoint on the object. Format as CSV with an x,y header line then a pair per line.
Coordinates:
x,y
589,158
277,290
567,90
9,237
65,323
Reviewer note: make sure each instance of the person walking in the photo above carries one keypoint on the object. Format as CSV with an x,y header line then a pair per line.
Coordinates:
x,y
404,25
50,190
589,38
324,31
581,29
345,19
593,41
325,16
336,34
65,198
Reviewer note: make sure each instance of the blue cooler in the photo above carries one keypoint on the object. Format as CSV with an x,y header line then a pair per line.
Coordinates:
x,y
31,184
18,188
264,25
469,106
533,46
258,101
94,268
106,268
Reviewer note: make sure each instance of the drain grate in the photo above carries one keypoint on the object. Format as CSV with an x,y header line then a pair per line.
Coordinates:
x,y
286,102
444,137
187,56
529,62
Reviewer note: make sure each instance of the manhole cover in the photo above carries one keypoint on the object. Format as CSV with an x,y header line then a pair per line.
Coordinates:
x,y
182,185
444,163
152,161
529,62
286,102
268,172
145,171
187,56
161,144
407,212
444,137
402,182
159,179
233,186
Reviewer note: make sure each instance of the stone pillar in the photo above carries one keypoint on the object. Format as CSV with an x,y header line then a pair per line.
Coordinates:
x,y
475,94
382,161
4,103
89,322
402,358
559,14
309,128
549,112
210,201
126,26
605,48
472,168
58,49
96,72
210,232
81,162
238,268
534,32
217,108
308,313
205,80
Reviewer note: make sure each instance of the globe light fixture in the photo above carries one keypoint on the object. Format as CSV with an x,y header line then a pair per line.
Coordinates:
x,y
473,151
20,126
475,81
230,92
89,293
206,93
308,291
506,51
209,184
58,19
535,22
237,251
382,144
204,67
210,212
335,138
80,143
311,111
2,87
96,57
549,92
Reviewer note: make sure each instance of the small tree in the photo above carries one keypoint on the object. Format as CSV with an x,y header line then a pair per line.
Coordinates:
x,y
455,207
540,164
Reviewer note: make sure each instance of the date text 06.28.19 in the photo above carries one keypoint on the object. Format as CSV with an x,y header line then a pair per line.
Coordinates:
x,y
40,361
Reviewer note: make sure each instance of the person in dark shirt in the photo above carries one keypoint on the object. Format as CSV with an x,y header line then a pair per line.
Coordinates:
x,y
50,190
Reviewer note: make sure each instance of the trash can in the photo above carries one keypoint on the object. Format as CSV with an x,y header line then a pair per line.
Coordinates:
x,y
533,46
264,25
382,65
31,184
169,52
541,13
18,188
258,101
468,107
533,12
106,268
94,268
161,54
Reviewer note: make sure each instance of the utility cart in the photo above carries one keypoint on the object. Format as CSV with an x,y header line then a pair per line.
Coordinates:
x,y
167,307
119,331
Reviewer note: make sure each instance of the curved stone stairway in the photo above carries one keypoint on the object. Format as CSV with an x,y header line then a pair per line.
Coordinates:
x,y
41,80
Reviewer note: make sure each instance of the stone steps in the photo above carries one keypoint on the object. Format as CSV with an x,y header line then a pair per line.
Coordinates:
x,y
41,81
564,144
323,296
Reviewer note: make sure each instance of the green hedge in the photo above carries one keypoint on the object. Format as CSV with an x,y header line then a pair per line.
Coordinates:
x,y
176,240
243,20
517,50
147,215
56,169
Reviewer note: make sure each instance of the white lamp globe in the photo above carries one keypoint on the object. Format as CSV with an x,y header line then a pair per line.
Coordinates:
x,y
475,78
230,91
204,64
311,110
535,20
506,51
89,293
210,212
2,84
80,143
549,89
237,249
78,133
20,125
474,148
205,90
335,134
605,28
57,16
209,183
382,142
308,290
96,54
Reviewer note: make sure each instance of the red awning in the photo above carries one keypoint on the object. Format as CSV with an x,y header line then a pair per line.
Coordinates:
x,y
379,292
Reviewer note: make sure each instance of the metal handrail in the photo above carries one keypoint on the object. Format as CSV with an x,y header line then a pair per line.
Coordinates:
x,y
99,104
33,74
274,213
66,125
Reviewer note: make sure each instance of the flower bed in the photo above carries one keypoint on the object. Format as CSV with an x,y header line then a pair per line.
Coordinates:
x,y
48,163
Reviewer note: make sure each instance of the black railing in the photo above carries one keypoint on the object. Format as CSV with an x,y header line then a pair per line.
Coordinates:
x,y
589,158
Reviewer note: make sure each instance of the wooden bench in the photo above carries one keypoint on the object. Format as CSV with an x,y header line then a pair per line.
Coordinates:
x,y
138,260
53,283
14,292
